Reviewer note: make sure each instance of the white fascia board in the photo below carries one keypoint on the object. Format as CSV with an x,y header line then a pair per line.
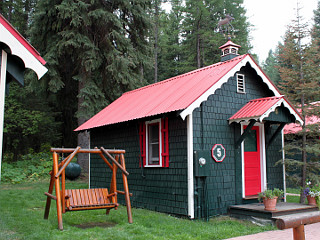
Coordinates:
x,y
20,51
278,104
224,79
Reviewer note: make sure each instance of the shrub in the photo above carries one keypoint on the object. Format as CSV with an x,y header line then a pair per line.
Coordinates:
x,y
30,167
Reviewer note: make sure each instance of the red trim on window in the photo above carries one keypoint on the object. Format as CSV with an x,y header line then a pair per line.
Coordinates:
x,y
142,139
165,142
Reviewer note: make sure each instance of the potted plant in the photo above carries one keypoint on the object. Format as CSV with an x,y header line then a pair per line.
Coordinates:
x,y
312,192
270,198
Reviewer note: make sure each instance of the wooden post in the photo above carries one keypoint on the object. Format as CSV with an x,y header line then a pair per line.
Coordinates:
x,y
63,191
48,204
113,187
126,189
113,160
57,185
67,162
298,233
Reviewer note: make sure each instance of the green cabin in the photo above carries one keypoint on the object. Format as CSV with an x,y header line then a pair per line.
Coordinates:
x,y
198,142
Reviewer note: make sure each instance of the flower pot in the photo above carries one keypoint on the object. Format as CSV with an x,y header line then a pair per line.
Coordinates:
x,y
312,200
270,204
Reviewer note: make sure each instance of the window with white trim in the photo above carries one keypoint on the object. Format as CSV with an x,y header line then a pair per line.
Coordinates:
x,y
153,143
154,146
240,83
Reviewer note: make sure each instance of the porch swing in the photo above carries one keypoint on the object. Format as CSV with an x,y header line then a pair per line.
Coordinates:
x,y
86,199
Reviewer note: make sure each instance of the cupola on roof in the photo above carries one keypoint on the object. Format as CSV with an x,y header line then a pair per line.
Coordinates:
x,y
229,50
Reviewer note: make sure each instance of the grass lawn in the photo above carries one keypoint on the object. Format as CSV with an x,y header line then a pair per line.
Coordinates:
x,y
22,209
294,199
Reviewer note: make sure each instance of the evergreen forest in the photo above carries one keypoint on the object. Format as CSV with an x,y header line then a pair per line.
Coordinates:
x,y
97,50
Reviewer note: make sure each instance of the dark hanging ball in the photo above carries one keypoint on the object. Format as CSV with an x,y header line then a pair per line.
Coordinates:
x,y
73,171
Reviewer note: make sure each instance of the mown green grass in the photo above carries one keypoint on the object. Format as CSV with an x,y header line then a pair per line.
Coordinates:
x,y
293,199
22,209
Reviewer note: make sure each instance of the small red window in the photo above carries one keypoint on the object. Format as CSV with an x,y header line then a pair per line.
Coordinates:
x,y
154,145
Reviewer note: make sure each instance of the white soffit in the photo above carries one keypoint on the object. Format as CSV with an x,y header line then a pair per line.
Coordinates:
x,y
20,51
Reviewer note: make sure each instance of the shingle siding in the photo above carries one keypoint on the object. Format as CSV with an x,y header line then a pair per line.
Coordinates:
x,y
159,189
224,186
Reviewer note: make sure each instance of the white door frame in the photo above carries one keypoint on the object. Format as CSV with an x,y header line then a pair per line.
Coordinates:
x,y
263,164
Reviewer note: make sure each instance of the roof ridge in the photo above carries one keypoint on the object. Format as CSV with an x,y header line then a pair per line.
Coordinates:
x,y
186,74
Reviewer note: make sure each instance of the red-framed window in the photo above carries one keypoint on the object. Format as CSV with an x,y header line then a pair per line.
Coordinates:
x,y
154,145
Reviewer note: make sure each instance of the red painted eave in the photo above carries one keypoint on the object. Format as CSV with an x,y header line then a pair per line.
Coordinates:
x,y
258,109
173,94
230,43
21,39
255,108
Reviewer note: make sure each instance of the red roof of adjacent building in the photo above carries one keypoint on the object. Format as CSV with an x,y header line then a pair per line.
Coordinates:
x,y
293,128
260,108
178,93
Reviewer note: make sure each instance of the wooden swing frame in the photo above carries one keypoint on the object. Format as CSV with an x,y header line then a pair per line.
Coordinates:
x,y
86,199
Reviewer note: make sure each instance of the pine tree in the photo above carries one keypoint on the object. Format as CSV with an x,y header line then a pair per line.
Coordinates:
x,y
169,60
270,66
300,81
95,51
201,41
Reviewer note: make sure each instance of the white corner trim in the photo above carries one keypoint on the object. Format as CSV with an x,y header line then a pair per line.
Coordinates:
x,y
19,50
3,71
284,168
224,79
190,166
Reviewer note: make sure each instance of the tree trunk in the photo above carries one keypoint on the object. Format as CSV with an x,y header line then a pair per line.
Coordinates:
x,y
156,32
83,137
198,41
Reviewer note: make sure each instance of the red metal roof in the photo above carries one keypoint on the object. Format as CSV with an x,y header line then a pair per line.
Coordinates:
x,y
173,94
259,109
293,128
229,43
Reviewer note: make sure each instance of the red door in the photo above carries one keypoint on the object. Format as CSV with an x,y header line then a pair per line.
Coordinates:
x,y
252,163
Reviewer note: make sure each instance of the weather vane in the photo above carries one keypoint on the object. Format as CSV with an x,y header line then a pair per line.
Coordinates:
x,y
225,27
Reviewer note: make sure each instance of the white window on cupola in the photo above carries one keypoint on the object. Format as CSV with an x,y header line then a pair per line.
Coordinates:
x,y
241,83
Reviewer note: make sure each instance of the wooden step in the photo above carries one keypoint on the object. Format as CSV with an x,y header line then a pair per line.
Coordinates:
x,y
256,210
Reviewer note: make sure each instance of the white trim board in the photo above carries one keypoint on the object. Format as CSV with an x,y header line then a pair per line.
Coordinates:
x,y
190,166
19,50
3,72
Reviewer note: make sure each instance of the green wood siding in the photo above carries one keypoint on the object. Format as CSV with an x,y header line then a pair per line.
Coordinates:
x,y
159,189
274,155
281,114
